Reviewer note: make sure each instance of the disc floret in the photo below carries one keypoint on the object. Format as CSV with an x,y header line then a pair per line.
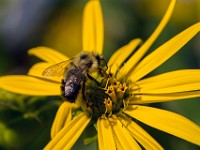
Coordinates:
x,y
103,95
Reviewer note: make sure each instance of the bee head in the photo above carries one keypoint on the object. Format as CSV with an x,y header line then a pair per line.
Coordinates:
x,y
85,61
101,62
91,61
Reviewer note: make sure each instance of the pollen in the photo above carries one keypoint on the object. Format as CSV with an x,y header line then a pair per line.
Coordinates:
x,y
108,105
104,96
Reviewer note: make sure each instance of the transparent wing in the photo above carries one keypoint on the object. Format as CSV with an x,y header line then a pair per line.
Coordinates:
x,y
56,70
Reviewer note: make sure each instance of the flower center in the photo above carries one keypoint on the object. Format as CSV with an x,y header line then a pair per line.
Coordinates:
x,y
103,95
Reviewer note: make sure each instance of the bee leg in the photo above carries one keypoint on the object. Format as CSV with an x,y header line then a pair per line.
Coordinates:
x,y
84,94
83,89
93,79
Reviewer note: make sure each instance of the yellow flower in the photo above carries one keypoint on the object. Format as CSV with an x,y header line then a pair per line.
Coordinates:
x,y
124,91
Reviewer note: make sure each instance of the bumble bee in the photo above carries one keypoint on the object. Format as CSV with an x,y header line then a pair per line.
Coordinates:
x,y
74,72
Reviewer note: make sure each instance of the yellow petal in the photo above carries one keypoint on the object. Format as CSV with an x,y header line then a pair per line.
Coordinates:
x,y
175,89
124,137
154,98
171,82
117,142
184,74
164,52
141,135
37,70
63,116
66,138
119,57
145,47
27,85
93,29
105,136
47,54
166,121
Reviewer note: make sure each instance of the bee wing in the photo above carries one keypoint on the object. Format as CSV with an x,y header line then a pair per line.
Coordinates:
x,y
56,70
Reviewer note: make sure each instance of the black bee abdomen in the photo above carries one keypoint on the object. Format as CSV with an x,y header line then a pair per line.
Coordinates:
x,y
70,91
71,85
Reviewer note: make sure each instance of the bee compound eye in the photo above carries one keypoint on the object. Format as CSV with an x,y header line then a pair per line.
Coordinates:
x,y
99,57
83,56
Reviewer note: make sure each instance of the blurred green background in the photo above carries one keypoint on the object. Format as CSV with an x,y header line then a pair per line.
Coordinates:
x,y
25,121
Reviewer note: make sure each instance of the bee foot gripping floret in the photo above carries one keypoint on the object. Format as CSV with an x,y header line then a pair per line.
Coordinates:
x,y
105,96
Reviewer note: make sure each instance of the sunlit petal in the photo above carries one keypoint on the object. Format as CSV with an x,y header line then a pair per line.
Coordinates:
x,y
48,54
171,82
145,47
93,29
140,135
172,75
154,98
63,116
124,137
29,85
69,134
37,70
166,121
175,89
105,136
164,52
118,58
